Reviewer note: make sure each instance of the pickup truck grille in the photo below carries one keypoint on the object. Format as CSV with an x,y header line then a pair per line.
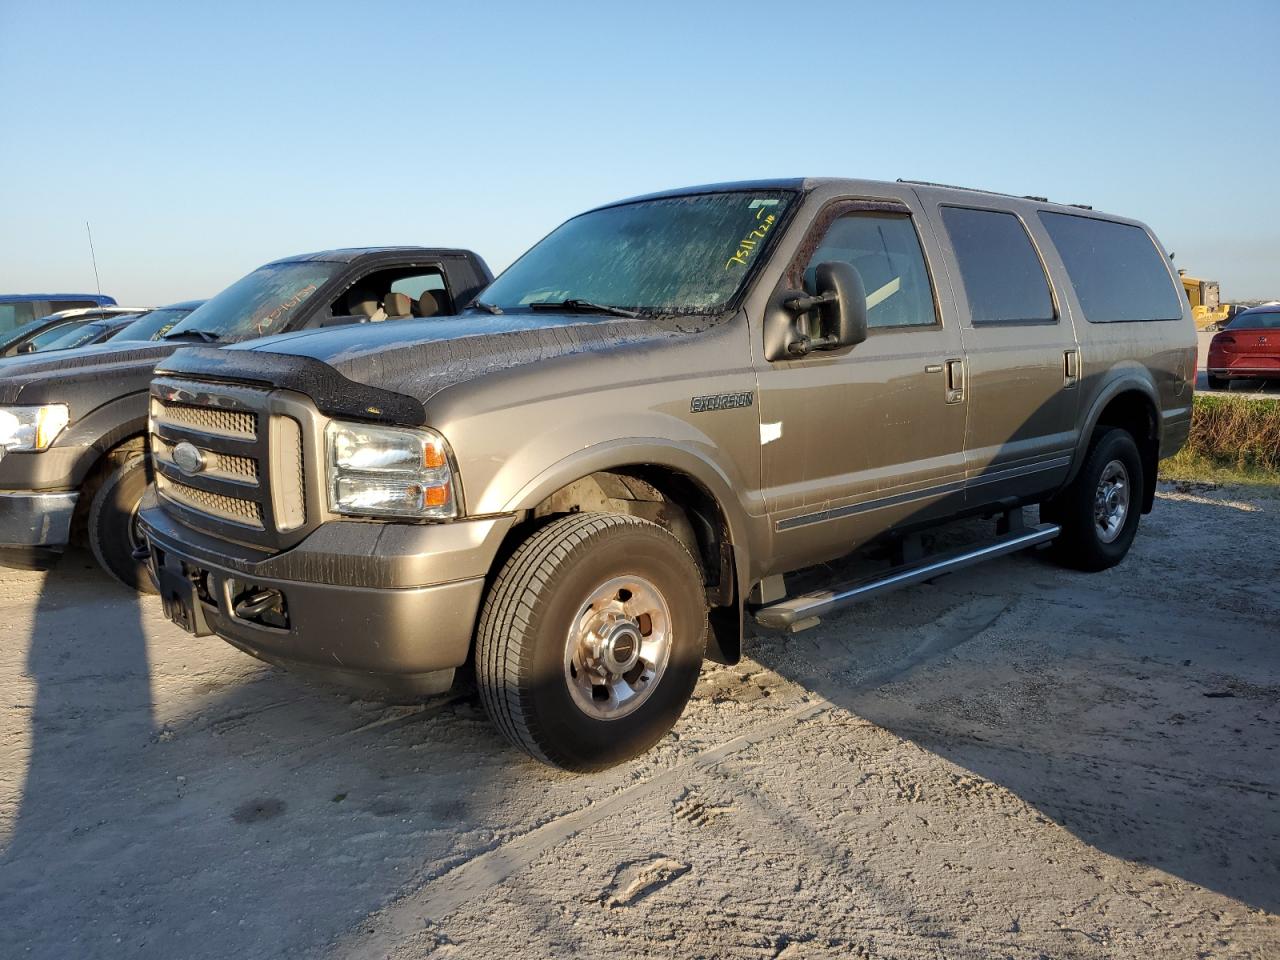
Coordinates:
x,y
249,481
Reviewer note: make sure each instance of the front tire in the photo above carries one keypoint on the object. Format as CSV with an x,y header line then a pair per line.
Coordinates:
x,y
113,531
1099,511
591,640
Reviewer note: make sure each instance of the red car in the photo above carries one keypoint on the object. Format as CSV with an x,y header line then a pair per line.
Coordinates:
x,y
1247,347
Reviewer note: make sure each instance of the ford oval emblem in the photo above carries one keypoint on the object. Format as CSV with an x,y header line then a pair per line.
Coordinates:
x,y
188,458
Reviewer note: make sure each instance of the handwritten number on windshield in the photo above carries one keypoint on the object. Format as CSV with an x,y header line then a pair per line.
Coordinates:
x,y
747,245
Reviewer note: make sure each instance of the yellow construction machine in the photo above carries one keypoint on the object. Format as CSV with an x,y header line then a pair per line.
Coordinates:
x,y
1206,305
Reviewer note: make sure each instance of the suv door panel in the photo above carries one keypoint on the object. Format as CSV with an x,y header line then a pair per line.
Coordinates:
x,y
856,441
1023,372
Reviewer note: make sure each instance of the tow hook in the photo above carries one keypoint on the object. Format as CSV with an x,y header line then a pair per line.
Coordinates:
x,y
254,605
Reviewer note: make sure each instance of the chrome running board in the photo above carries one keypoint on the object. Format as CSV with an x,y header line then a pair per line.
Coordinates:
x,y
796,613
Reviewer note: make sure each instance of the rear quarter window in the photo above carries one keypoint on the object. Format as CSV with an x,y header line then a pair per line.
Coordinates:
x,y
1003,278
1118,273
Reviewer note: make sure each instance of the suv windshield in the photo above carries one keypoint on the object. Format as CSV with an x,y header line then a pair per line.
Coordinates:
x,y
258,304
153,325
675,255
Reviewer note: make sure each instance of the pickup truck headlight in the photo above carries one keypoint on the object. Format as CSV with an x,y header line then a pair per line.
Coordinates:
x,y
29,429
389,472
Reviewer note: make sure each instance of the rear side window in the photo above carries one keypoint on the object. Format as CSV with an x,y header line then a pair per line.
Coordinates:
x,y
13,315
886,252
1003,278
1118,273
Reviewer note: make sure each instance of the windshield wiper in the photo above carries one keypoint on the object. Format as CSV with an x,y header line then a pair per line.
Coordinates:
x,y
486,307
584,306
203,335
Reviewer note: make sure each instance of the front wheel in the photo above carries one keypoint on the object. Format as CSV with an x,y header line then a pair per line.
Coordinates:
x,y
591,640
1099,511
113,521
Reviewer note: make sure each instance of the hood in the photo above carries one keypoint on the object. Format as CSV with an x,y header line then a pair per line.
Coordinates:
x,y
419,358
48,377
389,370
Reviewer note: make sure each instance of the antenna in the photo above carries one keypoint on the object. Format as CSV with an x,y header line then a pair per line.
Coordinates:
x,y
94,257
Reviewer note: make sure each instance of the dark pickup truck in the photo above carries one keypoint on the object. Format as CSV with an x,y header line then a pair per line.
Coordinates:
x,y
73,425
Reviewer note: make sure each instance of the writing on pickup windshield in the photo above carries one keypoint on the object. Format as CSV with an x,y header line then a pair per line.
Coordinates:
x,y
268,320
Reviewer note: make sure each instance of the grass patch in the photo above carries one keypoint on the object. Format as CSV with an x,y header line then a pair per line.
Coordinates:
x,y
1233,440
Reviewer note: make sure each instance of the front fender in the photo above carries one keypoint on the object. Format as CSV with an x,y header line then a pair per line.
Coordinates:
x,y
653,451
104,428
66,464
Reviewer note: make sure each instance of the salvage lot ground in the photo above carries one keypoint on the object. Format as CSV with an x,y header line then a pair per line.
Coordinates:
x,y
1015,761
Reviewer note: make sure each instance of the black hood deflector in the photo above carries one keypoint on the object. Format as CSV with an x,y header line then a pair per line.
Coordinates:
x,y
390,370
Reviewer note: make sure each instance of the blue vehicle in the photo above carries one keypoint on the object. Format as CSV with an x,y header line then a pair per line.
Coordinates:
x,y
17,309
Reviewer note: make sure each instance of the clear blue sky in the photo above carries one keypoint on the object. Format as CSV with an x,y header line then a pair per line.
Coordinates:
x,y
202,139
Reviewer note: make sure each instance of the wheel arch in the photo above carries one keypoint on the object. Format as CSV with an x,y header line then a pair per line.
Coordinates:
x,y
669,486
1130,404
105,429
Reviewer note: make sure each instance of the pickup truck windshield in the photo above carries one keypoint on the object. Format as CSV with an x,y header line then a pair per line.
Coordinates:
x,y
153,325
677,255
258,304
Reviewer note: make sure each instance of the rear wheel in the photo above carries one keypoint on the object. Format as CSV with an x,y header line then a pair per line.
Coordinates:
x,y
591,640
1099,511
113,520
1218,383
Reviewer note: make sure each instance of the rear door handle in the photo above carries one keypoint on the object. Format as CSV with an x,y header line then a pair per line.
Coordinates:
x,y
955,381
1070,368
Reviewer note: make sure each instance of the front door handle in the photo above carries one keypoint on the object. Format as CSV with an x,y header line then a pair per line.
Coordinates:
x,y
955,381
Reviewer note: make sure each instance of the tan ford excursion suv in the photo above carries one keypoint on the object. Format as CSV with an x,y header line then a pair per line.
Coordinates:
x,y
583,485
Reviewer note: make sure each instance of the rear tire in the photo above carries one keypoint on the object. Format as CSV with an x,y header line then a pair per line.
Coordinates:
x,y
113,521
1218,383
591,640
1099,511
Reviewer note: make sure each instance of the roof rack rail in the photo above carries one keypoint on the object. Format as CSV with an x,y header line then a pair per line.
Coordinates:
x,y
1081,206
952,186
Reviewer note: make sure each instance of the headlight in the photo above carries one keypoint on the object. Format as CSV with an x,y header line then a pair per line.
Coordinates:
x,y
31,428
389,472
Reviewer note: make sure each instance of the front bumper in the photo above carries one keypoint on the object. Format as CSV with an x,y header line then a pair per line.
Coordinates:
x,y
401,640
35,527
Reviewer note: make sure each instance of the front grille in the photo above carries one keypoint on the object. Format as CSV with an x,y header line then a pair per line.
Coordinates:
x,y
218,464
250,480
228,423
232,509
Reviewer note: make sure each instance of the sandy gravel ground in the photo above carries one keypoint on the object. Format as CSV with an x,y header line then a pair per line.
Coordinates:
x,y
1012,762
